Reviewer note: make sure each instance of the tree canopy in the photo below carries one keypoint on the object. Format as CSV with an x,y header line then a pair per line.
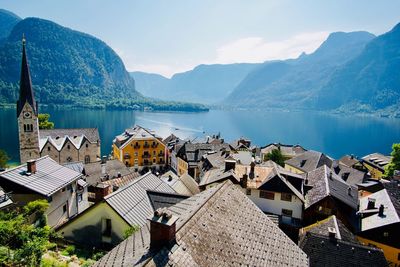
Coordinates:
x,y
395,162
276,156
44,122
4,158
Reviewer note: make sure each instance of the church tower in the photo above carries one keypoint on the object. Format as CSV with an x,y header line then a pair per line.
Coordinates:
x,y
27,114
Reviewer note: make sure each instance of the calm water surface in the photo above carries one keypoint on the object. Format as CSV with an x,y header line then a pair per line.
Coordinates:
x,y
334,135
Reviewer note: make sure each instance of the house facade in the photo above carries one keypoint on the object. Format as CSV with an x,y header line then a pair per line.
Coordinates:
x,y
140,148
63,188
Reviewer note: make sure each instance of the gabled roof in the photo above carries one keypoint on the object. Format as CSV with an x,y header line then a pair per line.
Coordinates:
x,y
218,175
122,181
164,200
309,161
377,160
348,174
326,252
322,228
349,161
49,178
325,183
59,137
113,169
391,210
132,203
184,185
218,227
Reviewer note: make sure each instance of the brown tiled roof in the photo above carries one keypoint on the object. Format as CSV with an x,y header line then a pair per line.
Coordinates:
x,y
349,161
218,227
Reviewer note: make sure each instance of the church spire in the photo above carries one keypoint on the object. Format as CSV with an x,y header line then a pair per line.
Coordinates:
x,y
25,84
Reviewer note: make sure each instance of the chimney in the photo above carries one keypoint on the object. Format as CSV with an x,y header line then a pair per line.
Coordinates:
x,y
230,164
349,191
162,228
381,210
332,233
243,181
31,166
371,203
252,166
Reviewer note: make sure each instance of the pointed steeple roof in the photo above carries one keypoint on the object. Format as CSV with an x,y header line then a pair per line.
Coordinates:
x,y
25,84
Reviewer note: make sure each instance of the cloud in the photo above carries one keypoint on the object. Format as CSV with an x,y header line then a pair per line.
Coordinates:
x,y
244,50
257,49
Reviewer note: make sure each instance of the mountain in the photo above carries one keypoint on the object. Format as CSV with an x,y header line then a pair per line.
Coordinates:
x,y
292,83
7,22
204,84
372,79
71,68
149,84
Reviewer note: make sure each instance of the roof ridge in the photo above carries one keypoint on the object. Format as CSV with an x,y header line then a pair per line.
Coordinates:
x,y
337,227
127,185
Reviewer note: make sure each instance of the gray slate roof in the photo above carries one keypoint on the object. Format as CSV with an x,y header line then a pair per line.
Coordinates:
x,y
391,210
58,137
324,185
113,167
325,252
184,185
49,178
132,203
348,174
309,161
218,227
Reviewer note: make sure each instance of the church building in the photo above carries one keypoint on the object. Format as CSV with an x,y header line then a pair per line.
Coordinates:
x,y
62,145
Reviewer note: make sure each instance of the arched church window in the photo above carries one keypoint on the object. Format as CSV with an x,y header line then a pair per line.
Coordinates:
x,y
87,159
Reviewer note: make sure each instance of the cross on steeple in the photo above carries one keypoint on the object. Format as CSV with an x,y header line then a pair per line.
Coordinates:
x,y
25,84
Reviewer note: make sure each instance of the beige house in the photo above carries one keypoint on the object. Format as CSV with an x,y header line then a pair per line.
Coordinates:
x,y
105,223
63,188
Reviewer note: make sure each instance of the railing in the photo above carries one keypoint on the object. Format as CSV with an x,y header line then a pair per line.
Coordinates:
x,y
136,146
146,146
146,156
147,163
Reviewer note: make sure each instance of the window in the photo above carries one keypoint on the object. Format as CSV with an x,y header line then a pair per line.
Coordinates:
x,y
267,194
154,153
68,146
87,145
385,234
48,148
87,159
136,154
69,187
286,212
65,208
63,189
248,191
69,159
398,257
154,160
107,227
80,197
286,197
49,199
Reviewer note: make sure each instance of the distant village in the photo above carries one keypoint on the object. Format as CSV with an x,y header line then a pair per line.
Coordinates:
x,y
203,202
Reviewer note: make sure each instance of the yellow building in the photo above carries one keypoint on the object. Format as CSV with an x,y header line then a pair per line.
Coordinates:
x,y
183,167
139,147
375,163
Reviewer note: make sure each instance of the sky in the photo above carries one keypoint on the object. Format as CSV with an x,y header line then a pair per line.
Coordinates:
x,y
172,36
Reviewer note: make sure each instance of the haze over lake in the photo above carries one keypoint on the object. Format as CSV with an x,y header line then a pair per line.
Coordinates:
x,y
331,134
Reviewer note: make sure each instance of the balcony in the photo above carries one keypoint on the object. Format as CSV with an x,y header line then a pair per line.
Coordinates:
x,y
136,146
146,146
154,145
146,156
162,154
147,163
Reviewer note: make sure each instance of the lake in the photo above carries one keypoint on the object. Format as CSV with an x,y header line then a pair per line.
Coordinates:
x,y
332,134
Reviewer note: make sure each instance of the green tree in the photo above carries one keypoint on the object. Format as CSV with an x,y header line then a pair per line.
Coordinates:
x,y
4,158
44,122
276,156
24,242
395,162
